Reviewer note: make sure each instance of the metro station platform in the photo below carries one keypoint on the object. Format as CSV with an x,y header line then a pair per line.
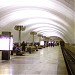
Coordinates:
x,y
46,61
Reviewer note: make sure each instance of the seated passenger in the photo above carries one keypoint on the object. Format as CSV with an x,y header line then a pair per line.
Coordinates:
x,y
17,50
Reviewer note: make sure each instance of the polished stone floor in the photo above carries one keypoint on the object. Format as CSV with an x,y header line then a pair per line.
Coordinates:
x,y
46,61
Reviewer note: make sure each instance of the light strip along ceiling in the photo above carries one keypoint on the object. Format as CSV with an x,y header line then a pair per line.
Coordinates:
x,y
54,15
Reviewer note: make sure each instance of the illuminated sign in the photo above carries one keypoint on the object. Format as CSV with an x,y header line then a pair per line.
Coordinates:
x,y
6,43
42,43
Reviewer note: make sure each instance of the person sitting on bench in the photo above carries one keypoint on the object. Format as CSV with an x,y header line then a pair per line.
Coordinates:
x,y
18,50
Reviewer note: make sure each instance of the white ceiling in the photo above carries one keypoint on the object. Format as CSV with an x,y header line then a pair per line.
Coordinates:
x,y
46,17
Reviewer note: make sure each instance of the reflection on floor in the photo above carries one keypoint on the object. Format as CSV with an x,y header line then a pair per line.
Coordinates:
x,y
46,61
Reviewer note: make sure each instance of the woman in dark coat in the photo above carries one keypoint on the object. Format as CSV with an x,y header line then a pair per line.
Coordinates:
x,y
23,46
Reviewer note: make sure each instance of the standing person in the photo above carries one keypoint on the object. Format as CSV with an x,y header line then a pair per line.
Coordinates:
x,y
23,46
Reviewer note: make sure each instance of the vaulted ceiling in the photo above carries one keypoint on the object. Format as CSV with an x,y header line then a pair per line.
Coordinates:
x,y
46,17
